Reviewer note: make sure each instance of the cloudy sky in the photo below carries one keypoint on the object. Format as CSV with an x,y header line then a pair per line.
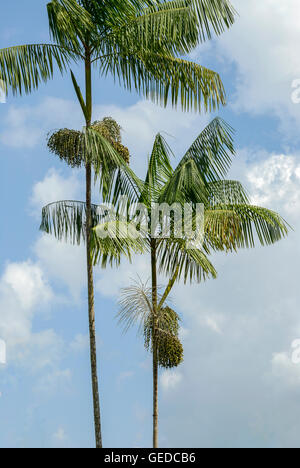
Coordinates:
x,y
238,386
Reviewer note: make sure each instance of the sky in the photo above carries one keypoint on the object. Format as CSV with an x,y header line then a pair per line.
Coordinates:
x,y
238,385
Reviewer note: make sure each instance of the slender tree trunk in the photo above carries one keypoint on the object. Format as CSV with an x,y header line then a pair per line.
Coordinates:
x,y
155,343
90,276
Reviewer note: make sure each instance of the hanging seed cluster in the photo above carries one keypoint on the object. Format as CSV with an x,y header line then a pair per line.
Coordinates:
x,y
69,146
111,131
170,349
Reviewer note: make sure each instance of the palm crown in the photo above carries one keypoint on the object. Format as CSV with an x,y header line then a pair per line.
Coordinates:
x,y
230,221
135,41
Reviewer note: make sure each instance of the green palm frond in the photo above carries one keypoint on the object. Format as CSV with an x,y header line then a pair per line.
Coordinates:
x,y
114,13
66,220
69,24
159,171
23,68
227,192
222,228
170,27
231,227
214,15
175,26
192,264
259,222
162,78
113,239
207,161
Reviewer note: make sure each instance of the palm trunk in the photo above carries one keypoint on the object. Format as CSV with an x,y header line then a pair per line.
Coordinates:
x,y
90,276
155,343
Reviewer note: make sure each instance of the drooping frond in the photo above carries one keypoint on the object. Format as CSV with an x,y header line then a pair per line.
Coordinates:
x,y
170,27
66,220
114,13
222,228
23,68
237,226
214,15
227,192
259,222
207,161
113,239
175,27
135,306
192,264
164,78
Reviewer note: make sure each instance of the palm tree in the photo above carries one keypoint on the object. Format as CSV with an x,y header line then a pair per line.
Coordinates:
x,y
138,42
230,223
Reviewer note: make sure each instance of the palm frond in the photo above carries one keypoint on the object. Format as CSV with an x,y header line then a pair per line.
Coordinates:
x,y
23,68
69,24
192,264
163,78
170,27
159,171
115,238
135,306
222,228
231,227
207,161
259,222
66,220
227,192
214,15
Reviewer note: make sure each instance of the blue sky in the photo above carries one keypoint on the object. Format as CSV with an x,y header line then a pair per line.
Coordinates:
x,y
238,386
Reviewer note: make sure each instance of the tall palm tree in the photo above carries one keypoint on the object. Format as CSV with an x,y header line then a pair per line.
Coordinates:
x,y
230,222
137,42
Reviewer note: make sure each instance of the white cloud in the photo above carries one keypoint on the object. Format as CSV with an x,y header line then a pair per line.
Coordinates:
x,y
263,46
54,187
27,282
24,293
170,379
64,262
53,381
60,435
109,282
80,343
26,127
276,181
